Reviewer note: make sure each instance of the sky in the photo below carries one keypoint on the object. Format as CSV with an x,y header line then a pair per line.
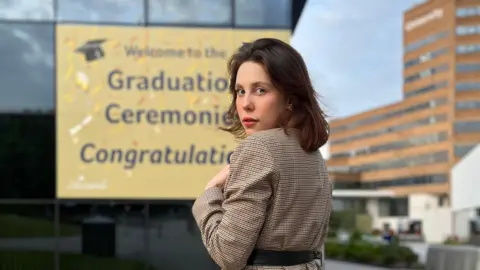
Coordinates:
x,y
353,50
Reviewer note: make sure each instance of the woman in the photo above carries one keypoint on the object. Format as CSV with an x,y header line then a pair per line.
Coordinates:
x,y
270,208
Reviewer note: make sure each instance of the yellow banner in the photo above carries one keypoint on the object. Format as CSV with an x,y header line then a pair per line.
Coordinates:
x,y
138,109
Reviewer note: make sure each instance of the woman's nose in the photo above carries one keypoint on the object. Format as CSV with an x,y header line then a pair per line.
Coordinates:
x,y
248,103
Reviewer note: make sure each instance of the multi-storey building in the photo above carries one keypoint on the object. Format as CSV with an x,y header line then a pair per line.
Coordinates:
x,y
411,146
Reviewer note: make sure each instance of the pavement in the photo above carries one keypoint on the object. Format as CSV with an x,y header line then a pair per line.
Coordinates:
x,y
336,265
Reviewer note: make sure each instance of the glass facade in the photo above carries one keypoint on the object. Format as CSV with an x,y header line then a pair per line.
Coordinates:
x,y
426,89
468,67
425,41
396,145
393,207
467,86
466,126
403,162
465,30
228,13
426,57
468,48
407,181
463,149
465,12
39,231
426,73
468,104
391,129
396,182
395,113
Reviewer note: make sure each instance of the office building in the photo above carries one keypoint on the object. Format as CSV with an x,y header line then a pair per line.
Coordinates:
x,y
410,146
39,43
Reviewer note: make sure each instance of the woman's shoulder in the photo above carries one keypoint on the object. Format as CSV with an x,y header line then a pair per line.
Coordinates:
x,y
266,139
270,135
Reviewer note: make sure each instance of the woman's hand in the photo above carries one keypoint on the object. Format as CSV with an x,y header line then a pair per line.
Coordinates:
x,y
219,179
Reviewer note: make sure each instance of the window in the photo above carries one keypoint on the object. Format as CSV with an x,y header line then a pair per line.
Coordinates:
x,y
26,118
462,150
425,57
470,67
196,12
432,158
31,10
27,161
468,11
426,73
266,13
468,104
396,113
467,86
464,30
346,185
410,142
26,69
408,181
104,11
467,126
468,48
428,40
393,207
426,89
405,126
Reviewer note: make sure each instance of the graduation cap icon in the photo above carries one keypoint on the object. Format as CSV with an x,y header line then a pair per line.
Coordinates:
x,y
92,49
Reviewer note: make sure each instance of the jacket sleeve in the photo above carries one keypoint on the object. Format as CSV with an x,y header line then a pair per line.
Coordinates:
x,y
230,222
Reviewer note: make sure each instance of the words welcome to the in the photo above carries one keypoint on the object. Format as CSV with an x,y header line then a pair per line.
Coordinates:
x,y
139,109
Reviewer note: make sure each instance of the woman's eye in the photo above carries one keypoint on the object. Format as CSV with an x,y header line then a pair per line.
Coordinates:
x,y
240,92
260,91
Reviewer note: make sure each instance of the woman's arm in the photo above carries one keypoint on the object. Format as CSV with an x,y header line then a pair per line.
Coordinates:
x,y
230,224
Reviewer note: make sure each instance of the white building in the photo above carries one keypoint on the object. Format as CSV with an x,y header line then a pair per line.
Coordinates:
x,y
465,188
439,218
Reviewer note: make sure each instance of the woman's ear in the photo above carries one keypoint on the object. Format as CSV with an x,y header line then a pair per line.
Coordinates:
x,y
289,104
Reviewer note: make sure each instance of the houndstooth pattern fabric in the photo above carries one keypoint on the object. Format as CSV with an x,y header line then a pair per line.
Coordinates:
x,y
276,197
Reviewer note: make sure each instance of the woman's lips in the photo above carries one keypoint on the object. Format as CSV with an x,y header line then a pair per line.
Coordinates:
x,y
249,122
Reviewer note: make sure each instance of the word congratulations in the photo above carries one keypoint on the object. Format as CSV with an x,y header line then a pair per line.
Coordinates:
x,y
131,157
117,80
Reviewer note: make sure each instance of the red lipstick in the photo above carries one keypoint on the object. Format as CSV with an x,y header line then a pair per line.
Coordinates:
x,y
249,122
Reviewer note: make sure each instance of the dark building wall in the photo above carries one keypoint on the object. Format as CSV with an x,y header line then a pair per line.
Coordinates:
x,y
147,232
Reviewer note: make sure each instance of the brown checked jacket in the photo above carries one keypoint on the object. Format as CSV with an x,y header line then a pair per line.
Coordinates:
x,y
276,197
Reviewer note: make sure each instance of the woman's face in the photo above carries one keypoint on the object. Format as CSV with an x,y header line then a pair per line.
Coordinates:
x,y
259,104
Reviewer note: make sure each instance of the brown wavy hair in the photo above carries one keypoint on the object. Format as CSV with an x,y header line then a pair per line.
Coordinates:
x,y
289,75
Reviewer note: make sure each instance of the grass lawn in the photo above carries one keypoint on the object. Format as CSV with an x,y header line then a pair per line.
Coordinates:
x,y
18,226
44,260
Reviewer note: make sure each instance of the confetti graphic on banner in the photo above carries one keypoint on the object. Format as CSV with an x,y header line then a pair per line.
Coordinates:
x,y
82,80
77,128
123,125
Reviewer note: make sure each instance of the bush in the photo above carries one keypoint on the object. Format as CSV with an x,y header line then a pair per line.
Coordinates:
x,y
363,252
331,234
335,250
360,251
453,240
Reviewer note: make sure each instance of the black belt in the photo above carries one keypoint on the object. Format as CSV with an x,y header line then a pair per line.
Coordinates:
x,y
282,258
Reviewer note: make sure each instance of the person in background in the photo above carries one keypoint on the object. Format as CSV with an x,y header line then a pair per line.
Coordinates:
x,y
269,208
